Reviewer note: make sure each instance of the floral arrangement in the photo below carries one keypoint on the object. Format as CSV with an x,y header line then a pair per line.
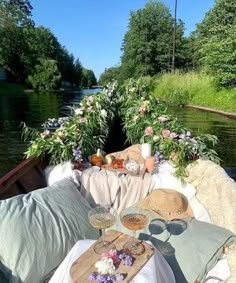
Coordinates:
x,y
146,121
107,265
70,138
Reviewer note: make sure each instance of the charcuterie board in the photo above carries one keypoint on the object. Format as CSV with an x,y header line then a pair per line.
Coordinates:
x,y
84,265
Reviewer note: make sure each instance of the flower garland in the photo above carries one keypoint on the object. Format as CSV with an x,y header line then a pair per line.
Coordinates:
x,y
146,121
70,138
107,265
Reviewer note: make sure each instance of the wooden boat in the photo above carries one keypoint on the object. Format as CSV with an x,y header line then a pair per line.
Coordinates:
x,y
24,178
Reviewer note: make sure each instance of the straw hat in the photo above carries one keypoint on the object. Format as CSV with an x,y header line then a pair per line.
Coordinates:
x,y
169,204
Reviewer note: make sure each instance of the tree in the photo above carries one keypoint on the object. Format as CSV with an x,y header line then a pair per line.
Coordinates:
x,y
17,11
14,19
66,65
78,72
217,42
40,43
147,45
109,74
88,78
46,75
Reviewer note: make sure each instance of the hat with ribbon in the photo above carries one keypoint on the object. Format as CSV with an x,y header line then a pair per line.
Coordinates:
x,y
168,204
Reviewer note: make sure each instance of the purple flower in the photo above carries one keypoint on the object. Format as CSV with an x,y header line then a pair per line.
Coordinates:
x,y
77,154
101,278
120,277
112,277
92,276
128,260
121,256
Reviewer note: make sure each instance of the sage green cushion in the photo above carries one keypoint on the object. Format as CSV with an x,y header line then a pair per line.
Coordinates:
x,y
191,247
38,229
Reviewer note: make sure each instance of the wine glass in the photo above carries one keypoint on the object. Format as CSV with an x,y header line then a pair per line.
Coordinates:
x,y
134,218
102,217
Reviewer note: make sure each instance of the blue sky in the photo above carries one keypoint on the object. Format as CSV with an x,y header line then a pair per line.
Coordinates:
x,y
93,30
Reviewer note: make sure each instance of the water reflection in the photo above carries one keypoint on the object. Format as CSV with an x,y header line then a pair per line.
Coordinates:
x,y
204,122
33,109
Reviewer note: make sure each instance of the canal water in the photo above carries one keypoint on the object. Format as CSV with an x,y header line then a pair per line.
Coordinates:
x,y
34,109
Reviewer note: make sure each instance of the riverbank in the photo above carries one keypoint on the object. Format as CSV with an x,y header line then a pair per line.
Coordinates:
x,y
195,89
228,114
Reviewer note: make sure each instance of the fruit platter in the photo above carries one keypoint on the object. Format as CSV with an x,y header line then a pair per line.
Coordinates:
x,y
128,166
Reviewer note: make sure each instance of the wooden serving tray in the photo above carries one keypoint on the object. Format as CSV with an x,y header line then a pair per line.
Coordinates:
x,y
140,173
84,265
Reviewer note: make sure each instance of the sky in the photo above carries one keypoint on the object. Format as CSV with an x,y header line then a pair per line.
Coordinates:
x,y
93,30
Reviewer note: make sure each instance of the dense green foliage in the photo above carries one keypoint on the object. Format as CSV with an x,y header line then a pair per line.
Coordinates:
x,y
148,42
45,76
24,46
147,45
216,37
88,78
109,74
196,89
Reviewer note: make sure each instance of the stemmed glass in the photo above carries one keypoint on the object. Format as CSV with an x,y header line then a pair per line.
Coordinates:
x,y
102,217
134,219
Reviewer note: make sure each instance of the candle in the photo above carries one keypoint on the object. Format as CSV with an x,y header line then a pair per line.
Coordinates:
x,y
150,163
146,150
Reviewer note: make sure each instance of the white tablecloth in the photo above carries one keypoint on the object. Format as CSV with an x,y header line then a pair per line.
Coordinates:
x,y
156,269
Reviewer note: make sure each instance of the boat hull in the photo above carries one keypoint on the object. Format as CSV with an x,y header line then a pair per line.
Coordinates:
x,y
26,177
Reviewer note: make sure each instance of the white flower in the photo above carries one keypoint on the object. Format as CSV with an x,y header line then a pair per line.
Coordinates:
x,y
105,266
156,138
78,111
162,119
188,134
104,113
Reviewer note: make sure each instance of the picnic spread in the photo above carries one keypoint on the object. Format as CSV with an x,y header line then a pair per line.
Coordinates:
x,y
98,185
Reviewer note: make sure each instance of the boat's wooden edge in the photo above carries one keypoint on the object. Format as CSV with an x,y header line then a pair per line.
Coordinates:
x,y
25,177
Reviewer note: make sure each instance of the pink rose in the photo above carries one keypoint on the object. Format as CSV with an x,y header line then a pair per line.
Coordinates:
x,y
113,255
148,131
165,133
